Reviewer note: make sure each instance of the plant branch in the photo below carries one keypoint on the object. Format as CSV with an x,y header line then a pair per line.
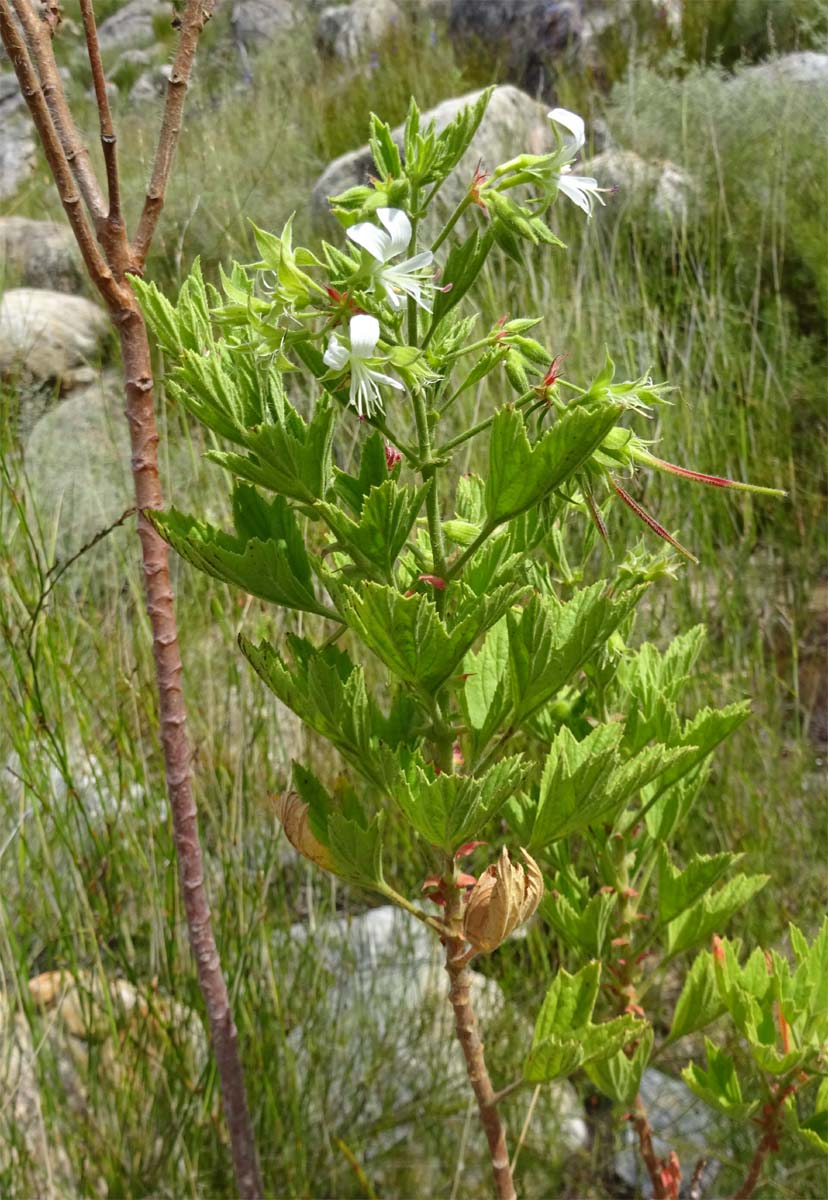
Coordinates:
x,y
56,156
196,15
38,31
108,139
472,1047
665,1174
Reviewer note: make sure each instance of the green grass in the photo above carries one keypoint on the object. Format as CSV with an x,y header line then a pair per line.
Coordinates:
x,y
731,309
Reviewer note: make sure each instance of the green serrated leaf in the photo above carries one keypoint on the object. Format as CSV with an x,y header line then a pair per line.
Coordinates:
x,y
266,558
699,1003
449,810
619,1076
387,516
719,1085
571,793
711,913
521,475
679,889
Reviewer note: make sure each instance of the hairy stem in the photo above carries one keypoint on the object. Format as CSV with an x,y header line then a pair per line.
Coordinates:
x,y
469,1038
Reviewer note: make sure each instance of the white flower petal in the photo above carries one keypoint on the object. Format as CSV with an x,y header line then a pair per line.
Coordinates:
x,y
379,377
365,331
399,230
582,190
424,259
336,355
371,239
573,124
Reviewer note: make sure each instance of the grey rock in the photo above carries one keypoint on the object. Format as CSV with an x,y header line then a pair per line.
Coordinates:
x,y
10,95
530,39
78,465
349,32
804,68
513,121
134,24
17,152
151,85
48,336
667,190
680,1122
256,22
38,254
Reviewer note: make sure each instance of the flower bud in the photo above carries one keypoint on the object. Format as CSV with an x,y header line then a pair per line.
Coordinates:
x,y
504,897
295,818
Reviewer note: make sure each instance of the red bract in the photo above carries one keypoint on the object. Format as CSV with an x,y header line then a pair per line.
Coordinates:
x,y
392,456
434,580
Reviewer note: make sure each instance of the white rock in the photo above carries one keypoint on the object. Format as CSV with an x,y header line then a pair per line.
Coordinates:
x,y
257,22
667,189
805,67
17,152
134,23
47,335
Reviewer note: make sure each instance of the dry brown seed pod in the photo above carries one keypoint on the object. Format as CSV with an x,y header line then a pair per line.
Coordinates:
x,y
295,818
504,897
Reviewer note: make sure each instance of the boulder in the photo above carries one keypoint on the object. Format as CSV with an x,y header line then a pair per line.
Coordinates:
x,y
667,190
38,254
806,68
77,460
18,154
134,24
348,32
512,121
49,337
151,85
529,39
257,22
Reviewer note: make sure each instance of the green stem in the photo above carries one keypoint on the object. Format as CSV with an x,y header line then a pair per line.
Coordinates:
x,y
452,221
454,442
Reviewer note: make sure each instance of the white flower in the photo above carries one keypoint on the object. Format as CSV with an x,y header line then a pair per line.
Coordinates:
x,y
365,395
582,190
404,278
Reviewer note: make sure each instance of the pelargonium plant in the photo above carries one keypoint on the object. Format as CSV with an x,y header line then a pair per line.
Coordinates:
x,y
475,689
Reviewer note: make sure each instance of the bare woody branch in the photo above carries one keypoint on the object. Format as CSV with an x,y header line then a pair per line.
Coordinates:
x,y
108,139
38,30
56,156
196,15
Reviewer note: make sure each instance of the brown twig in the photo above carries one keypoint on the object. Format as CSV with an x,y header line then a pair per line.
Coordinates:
x,y
108,138
196,15
469,1039
768,1143
38,30
56,156
665,1173
695,1192
109,272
